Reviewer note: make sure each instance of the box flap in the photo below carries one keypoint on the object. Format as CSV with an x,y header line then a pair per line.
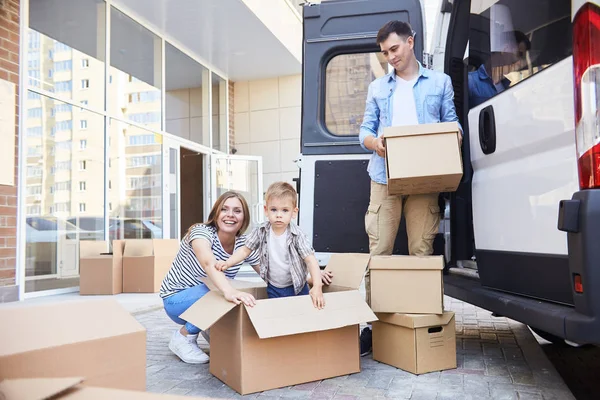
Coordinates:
x,y
407,262
293,315
102,319
35,388
165,247
138,248
117,247
348,269
235,283
421,129
92,248
209,309
415,321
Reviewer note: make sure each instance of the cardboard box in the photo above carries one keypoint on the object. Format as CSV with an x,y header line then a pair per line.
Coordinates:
x,y
95,339
407,284
100,271
146,262
71,389
423,158
415,343
285,341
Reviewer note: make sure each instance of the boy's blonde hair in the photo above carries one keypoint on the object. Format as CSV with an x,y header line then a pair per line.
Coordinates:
x,y
282,190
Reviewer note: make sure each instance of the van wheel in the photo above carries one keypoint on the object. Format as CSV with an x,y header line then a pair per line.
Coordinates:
x,y
555,339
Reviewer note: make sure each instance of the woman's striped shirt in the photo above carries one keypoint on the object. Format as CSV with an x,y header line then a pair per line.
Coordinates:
x,y
186,271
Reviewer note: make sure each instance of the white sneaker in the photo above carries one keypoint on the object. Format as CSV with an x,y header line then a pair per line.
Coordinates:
x,y
187,349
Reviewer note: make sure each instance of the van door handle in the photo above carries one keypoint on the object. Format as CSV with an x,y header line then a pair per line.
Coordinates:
x,y
487,130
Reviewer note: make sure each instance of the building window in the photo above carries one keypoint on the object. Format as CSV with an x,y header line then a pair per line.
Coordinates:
x,y
34,210
85,62
85,83
142,140
65,86
82,165
83,144
83,124
82,186
81,207
83,103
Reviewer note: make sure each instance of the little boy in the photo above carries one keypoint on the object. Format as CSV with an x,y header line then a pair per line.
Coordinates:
x,y
286,256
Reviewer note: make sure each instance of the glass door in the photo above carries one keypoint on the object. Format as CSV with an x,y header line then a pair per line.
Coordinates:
x,y
242,174
171,217
186,186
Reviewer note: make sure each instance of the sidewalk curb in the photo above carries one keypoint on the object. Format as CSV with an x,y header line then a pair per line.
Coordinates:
x,y
552,384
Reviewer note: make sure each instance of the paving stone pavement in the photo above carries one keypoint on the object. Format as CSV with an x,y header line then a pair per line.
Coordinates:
x,y
497,358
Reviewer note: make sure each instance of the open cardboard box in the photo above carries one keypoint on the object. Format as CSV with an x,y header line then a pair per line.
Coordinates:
x,y
100,272
146,263
71,389
96,339
286,341
423,158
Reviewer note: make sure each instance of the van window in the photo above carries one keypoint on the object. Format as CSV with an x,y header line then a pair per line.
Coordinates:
x,y
347,79
511,41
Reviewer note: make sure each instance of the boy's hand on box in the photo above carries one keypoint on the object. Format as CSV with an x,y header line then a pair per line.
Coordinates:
x,y
326,277
316,294
221,265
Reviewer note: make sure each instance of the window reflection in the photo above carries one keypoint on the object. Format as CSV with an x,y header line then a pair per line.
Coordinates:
x,y
65,49
186,96
135,190
219,113
134,82
64,185
346,83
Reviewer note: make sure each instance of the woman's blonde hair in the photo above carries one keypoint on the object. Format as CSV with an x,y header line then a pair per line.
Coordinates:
x,y
216,209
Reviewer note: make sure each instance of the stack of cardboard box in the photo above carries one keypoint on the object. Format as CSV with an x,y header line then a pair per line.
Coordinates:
x,y
413,332
130,266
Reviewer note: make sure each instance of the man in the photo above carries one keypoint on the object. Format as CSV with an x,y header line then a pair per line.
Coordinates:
x,y
409,95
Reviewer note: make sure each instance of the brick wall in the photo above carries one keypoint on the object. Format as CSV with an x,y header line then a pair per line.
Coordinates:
x,y
9,70
230,112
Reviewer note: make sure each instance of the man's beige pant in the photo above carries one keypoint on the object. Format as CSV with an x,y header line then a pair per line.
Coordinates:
x,y
422,214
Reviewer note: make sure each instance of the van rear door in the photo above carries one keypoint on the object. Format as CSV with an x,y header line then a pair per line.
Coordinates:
x,y
340,59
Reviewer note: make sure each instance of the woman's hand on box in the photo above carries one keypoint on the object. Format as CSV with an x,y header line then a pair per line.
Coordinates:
x,y
238,297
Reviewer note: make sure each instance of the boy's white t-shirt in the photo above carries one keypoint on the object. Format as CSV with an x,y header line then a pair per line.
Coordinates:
x,y
405,110
279,274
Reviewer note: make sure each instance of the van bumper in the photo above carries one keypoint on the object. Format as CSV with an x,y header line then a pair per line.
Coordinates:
x,y
580,218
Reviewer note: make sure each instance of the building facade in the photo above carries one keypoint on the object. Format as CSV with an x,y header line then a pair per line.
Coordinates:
x,y
123,122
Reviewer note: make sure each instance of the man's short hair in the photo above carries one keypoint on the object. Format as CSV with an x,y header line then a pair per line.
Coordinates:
x,y
400,28
282,190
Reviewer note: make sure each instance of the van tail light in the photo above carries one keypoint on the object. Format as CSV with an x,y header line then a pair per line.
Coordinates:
x,y
586,67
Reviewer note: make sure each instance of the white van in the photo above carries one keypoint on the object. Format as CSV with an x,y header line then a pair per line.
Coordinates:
x,y
519,233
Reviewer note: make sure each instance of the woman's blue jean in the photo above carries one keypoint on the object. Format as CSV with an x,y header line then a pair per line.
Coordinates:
x,y
177,303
